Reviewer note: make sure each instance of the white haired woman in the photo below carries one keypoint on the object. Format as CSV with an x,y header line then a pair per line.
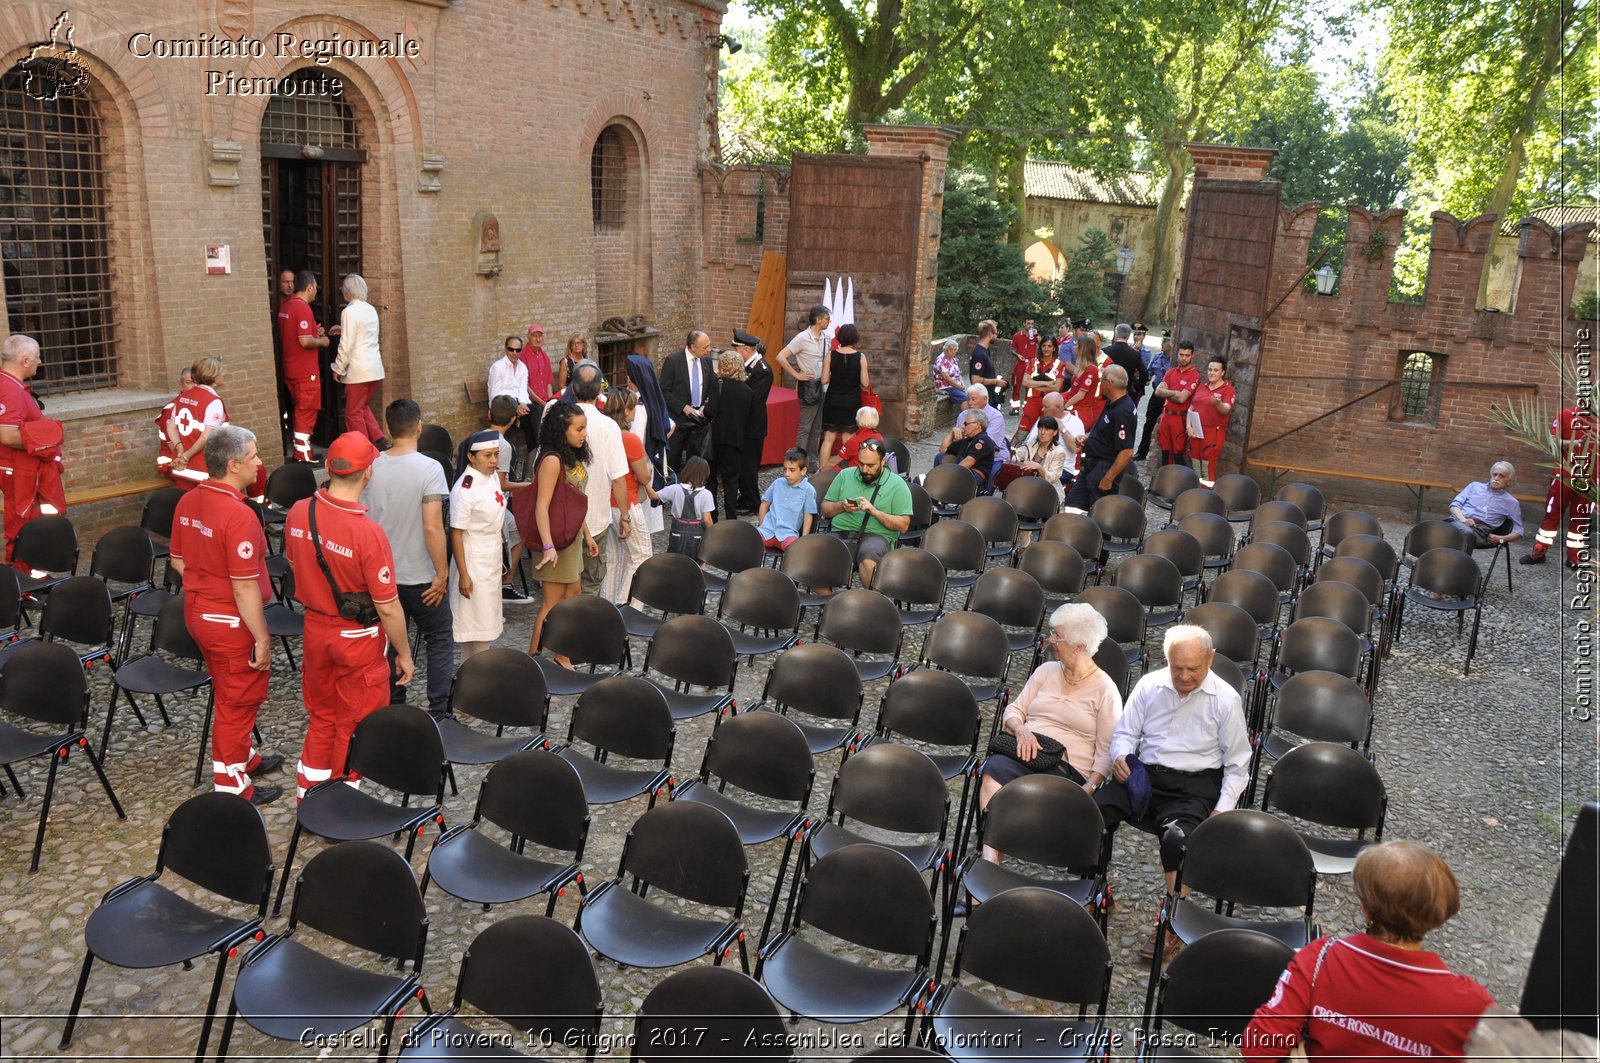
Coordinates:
x,y
359,365
849,451
1068,699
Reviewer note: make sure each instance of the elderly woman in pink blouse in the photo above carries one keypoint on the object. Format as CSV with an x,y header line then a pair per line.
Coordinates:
x,y
1069,699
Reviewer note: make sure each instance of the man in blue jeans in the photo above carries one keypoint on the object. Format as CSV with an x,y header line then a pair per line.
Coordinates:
x,y
407,497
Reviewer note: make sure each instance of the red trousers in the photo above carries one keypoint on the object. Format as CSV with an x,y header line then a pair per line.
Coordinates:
x,y
307,395
344,677
238,692
1019,373
15,515
1562,501
1172,433
358,409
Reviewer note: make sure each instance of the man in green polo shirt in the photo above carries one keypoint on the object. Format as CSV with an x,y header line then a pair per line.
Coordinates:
x,y
871,501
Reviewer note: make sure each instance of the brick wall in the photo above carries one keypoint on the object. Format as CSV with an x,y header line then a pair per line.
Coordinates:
x,y
1320,352
746,211
507,95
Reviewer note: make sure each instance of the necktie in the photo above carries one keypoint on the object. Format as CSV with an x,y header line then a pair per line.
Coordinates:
x,y
694,381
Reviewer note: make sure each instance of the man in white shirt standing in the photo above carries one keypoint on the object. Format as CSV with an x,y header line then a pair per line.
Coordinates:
x,y
1180,753
802,359
608,472
508,375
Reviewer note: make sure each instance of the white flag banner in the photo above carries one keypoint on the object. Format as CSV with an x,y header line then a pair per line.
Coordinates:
x,y
827,294
847,303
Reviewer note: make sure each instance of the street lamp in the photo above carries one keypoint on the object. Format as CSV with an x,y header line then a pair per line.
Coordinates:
x,y
1325,279
1125,260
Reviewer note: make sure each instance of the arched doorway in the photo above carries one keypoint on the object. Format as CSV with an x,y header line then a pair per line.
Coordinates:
x,y
311,209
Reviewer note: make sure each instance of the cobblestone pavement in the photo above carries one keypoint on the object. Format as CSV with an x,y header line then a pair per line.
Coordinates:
x,y
1489,769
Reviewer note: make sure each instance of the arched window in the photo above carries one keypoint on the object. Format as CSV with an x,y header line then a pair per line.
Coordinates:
x,y
1419,393
54,235
608,180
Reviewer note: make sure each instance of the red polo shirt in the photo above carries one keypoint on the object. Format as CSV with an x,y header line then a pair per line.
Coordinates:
x,y
17,408
295,319
219,539
355,547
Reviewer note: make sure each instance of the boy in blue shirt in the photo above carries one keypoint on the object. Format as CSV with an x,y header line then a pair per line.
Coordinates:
x,y
789,506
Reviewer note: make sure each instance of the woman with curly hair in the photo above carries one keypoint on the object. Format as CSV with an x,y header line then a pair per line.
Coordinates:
x,y
563,451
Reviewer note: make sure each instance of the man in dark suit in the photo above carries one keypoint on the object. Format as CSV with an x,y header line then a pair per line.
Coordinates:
x,y
1122,353
759,376
689,380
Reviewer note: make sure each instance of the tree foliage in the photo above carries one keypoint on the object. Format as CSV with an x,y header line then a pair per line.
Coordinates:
x,y
1492,96
980,274
1081,289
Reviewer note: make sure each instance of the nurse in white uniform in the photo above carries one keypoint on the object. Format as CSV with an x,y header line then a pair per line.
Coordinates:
x,y
477,515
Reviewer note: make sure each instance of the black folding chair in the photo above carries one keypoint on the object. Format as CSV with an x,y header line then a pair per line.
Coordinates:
x,y
215,841
534,796
43,682
360,893
556,1000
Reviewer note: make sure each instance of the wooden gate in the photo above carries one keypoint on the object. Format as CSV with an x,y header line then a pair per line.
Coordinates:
x,y
858,217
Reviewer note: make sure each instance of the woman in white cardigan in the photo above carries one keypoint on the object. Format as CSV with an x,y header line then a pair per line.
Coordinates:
x,y
359,366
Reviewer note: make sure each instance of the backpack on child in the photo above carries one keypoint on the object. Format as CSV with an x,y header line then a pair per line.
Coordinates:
x,y
687,528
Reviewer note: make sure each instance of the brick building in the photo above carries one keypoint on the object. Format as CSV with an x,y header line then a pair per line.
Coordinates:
x,y
483,165
1352,388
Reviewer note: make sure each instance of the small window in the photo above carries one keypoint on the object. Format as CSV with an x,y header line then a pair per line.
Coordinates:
x,y
1418,398
608,180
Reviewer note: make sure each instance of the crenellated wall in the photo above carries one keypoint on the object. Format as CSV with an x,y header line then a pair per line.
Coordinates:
x,y
1344,352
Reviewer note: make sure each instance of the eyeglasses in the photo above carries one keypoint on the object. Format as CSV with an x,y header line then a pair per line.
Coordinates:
x,y
872,445
514,350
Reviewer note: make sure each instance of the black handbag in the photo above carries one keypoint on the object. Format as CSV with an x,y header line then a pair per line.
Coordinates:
x,y
1048,757
809,392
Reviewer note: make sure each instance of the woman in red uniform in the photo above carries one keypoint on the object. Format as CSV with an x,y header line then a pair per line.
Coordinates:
x,y
1046,376
1213,400
1378,994
1083,390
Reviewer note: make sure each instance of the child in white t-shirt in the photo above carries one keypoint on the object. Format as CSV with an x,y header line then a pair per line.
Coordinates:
x,y
690,508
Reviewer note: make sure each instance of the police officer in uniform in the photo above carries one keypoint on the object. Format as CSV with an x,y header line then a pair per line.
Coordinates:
x,y
1108,448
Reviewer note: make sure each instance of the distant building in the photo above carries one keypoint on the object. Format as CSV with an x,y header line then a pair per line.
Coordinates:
x,y
1503,267
1070,200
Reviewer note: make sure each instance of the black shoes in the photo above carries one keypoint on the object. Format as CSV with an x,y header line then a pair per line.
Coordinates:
x,y
269,764
265,795
1532,559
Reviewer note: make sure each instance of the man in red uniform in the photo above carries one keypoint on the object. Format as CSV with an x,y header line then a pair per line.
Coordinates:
x,y
346,670
19,360
1025,345
219,549
302,339
1177,387
164,447
1575,430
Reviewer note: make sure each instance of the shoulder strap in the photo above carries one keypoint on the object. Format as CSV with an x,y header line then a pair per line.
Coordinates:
x,y
1316,969
316,543
685,501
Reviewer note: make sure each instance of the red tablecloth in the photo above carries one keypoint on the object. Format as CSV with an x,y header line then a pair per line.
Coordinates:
x,y
783,422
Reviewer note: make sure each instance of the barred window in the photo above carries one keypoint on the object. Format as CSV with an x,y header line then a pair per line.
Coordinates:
x,y
1419,392
324,121
608,180
54,235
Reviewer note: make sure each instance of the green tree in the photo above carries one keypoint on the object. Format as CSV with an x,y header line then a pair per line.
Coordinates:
x,y
980,274
1487,90
1081,289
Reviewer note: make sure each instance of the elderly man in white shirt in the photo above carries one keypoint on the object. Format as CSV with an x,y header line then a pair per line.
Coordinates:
x,y
1071,427
1180,753
608,472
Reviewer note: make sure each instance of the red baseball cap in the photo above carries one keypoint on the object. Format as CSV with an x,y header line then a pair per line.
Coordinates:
x,y
536,328
350,453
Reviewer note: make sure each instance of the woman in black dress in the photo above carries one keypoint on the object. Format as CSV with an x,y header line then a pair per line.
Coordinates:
x,y
844,378
730,429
